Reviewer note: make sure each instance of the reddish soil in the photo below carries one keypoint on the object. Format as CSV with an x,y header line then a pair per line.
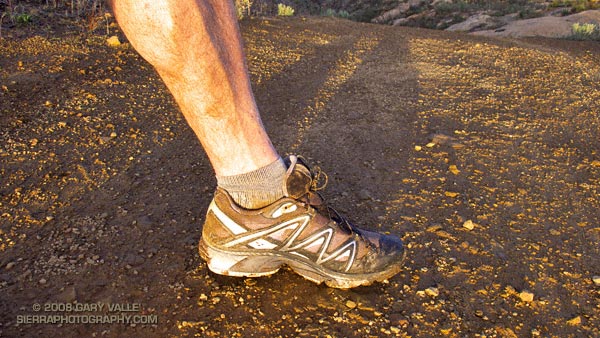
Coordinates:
x,y
104,187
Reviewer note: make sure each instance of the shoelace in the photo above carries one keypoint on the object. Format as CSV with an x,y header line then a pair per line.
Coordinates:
x,y
317,176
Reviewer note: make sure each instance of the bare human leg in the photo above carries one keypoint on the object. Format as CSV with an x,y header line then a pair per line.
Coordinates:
x,y
196,48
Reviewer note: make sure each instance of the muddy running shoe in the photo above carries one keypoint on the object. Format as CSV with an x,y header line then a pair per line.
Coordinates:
x,y
299,231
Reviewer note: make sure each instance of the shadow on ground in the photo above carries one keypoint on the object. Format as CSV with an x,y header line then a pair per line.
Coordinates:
x,y
482,154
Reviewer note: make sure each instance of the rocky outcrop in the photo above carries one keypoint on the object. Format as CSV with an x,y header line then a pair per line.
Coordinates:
x,y
548,26
392,14
481,22
547,20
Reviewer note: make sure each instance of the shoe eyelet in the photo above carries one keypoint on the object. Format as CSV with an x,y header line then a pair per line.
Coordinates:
x,y
285,209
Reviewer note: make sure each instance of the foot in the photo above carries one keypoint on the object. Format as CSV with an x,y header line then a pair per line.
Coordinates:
x,y
299,231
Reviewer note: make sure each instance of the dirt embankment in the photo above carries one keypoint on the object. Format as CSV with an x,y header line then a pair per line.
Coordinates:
x,y
482,154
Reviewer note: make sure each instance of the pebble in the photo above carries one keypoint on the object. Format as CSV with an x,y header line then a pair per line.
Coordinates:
x,y
418,148
68,295
10,265
113,41
364,195
469,225
134,259
43,281
432,292
574,321
394,329
595,279
526,296
351,304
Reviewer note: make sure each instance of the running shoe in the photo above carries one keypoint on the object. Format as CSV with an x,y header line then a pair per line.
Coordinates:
x,y
300,231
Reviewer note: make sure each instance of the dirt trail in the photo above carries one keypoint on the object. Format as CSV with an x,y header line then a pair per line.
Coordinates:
x,y
104,187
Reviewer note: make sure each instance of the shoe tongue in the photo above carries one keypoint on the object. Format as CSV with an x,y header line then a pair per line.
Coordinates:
x,y
298,178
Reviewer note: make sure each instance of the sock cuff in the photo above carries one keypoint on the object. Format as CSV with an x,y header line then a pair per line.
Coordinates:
x,y
257,188
271,173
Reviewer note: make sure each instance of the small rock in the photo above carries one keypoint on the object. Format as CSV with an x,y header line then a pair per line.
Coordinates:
x,y
10,265
595,279
364,195
43,281
134,259
451,194
432,292
68,295
351,304
526,296
469,225
394,329
113,134
574,321
418,148
203,297
113,41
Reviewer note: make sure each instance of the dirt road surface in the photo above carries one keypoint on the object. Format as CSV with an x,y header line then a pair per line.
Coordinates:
x,y
482,154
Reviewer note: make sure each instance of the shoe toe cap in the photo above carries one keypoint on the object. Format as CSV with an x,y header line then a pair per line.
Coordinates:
x,y
390,245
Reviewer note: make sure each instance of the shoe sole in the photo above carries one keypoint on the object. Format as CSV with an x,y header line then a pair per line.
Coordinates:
x,y
252,264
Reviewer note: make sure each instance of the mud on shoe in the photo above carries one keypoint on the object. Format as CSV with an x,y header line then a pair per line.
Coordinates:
x,y
300,231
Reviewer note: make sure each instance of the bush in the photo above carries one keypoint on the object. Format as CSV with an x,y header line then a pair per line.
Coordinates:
x,y
338,14
284,10
585,31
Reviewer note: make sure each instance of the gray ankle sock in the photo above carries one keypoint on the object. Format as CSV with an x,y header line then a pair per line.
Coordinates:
x,y
257,188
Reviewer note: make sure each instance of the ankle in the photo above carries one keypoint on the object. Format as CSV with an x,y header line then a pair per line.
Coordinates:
x,y
258,188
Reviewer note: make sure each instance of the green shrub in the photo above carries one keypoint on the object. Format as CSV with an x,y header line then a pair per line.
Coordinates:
x,y
284,10
338,14
23,18
585,31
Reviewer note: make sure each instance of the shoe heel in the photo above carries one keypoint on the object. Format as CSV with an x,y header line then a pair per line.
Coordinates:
x,y
237,264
